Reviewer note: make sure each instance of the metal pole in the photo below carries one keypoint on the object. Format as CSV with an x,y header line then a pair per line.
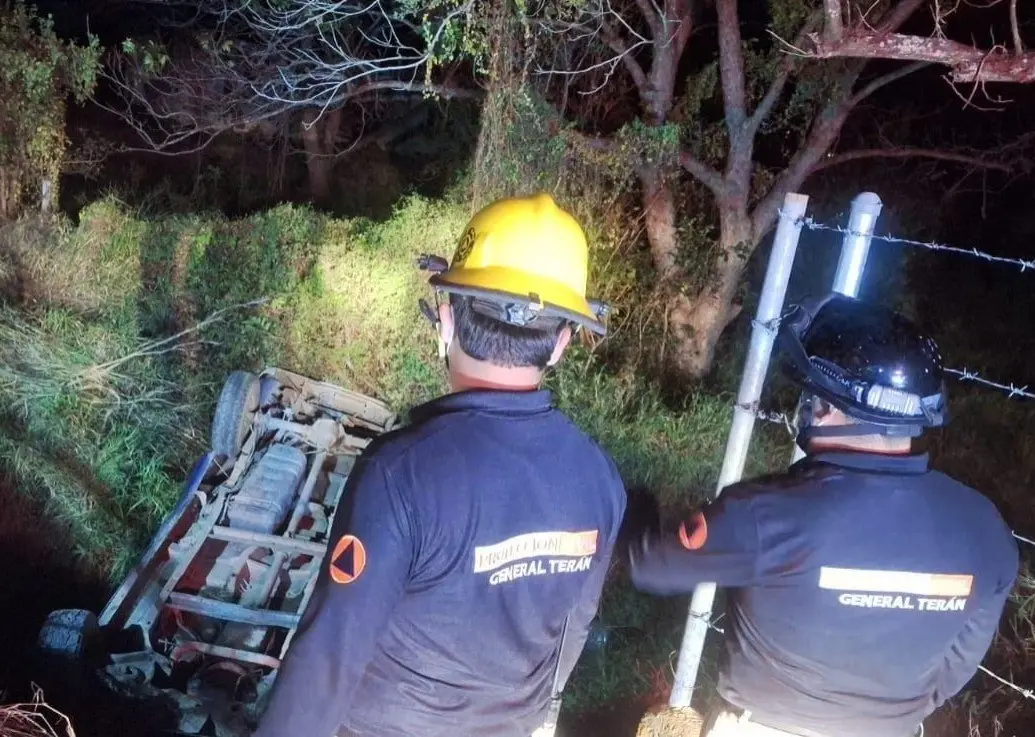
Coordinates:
x,y
770,306
855,248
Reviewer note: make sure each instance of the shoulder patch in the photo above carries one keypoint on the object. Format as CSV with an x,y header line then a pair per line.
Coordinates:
x,y
348,560
693,536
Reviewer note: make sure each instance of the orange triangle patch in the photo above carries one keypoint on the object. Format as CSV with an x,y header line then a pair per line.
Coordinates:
x,y
348,559
695,539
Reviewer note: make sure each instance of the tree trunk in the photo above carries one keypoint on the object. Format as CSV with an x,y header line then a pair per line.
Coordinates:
x,y
318,160
702,319
659,211
10,195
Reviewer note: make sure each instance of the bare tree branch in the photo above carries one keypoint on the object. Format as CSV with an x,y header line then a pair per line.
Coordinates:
x,y
825,129
653,16
974,161
619,46
968,63
683,9
255,60
598,23
703,173
731,66
783,75
1018,47
833,28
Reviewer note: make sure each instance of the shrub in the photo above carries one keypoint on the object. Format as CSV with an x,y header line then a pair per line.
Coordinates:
x,y
38,72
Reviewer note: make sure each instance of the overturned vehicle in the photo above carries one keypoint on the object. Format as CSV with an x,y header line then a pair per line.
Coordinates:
x,y
206,616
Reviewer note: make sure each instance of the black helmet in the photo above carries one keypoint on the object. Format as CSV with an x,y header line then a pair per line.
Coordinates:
x,y
870,362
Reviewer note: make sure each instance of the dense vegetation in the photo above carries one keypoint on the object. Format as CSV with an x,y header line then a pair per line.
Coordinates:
x,y
102,418
104,408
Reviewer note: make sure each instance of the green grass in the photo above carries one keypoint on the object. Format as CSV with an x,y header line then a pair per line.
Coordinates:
x,y
106,448
101,424
91,441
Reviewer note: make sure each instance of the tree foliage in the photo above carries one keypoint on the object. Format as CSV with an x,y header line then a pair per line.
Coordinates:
x,y
38,72
716,121
237,63
698,106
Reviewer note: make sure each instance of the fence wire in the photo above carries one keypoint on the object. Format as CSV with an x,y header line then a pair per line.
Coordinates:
x,y
1027,693
1023,264
964,374
1014,391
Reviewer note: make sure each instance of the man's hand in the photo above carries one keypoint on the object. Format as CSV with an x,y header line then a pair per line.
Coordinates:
x,y
719,543
642,515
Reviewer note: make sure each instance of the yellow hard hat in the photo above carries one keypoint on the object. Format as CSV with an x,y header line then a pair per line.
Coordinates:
x,y
530,258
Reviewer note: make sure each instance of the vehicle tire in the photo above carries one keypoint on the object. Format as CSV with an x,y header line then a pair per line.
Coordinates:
x,y
237,402
268,388
69,633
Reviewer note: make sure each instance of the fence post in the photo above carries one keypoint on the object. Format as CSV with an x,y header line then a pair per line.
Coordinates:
x,y
47,196
855,248
770,306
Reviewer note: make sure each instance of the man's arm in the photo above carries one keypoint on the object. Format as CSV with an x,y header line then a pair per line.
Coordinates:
x,y
719,544
369,556
966,653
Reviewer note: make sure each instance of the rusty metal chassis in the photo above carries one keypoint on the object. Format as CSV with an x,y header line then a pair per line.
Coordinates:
x,y
150,587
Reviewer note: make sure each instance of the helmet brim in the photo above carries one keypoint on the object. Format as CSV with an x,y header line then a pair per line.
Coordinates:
x,y
501,284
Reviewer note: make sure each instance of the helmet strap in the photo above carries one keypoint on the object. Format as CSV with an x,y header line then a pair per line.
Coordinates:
x,y
807,430
860,429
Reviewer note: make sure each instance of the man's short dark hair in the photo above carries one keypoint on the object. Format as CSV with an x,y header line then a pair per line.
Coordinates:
x,y
486,339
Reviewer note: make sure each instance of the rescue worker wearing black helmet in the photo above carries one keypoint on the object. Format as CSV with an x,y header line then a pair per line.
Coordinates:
x,y
863,587
461,584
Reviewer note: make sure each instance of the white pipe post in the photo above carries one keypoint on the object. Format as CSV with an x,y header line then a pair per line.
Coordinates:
x,y
855,248
770,306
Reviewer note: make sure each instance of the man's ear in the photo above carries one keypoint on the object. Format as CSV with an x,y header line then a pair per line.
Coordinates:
x,y
446,326
824,413
562,344
446,329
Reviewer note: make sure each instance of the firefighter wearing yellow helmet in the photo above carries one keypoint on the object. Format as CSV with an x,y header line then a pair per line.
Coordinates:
x,y
528,259
478,537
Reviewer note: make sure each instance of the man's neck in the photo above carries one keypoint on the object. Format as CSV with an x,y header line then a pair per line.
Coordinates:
x,y
466,373
862,444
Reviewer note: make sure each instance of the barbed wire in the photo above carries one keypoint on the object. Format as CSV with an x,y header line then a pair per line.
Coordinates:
x,y
1025,692
1024,264
1013,390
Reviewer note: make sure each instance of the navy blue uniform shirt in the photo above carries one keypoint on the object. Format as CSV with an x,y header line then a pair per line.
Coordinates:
x,y
864,590
476,531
